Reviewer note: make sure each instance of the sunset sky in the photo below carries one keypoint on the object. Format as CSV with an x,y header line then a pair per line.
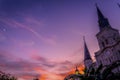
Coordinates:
x,y
44,38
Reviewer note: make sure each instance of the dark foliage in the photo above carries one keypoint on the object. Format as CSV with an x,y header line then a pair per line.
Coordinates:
x,y
4,76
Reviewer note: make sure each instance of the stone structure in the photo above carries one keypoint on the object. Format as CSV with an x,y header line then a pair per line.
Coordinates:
x,y
107,64
109,43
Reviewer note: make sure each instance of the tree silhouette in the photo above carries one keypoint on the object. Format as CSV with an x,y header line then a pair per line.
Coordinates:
x,y
4,76
36,79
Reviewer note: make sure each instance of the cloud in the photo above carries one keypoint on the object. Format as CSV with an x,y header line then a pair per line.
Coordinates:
x,y
54,67
19,67
24,68
28,24
38,66
43,61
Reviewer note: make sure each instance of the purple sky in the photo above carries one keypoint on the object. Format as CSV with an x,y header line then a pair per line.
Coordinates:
x,y
44,37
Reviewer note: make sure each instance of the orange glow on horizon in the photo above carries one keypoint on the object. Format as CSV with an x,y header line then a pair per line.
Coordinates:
x,y
45,75
80,68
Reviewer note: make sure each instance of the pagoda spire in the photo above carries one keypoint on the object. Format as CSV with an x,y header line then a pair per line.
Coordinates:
x,y
86,51
103,22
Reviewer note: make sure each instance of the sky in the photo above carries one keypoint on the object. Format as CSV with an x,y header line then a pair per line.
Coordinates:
x,y
44,38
